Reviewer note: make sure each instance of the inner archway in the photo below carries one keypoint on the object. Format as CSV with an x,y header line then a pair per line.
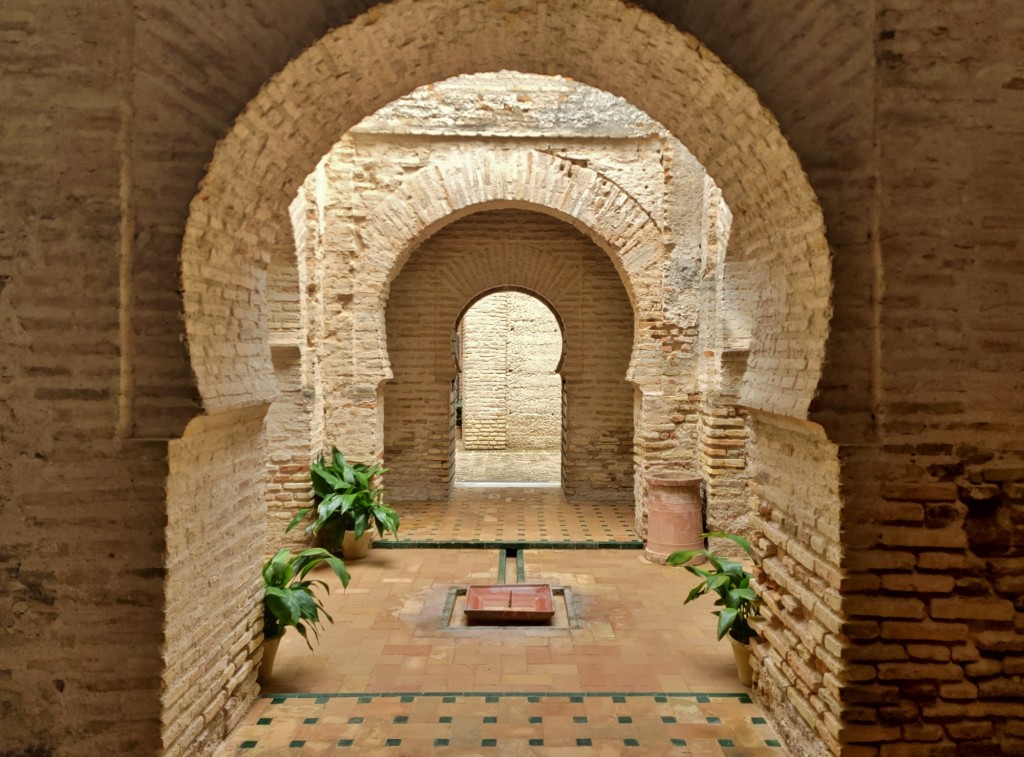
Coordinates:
x,y
534,252
508,348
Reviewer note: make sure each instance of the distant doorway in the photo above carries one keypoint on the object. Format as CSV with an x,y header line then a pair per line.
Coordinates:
x,y
508,393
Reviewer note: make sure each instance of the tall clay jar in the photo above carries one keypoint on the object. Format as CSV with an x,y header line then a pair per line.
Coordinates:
x,y
674,517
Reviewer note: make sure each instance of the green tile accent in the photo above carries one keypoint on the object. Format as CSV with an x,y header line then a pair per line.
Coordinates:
x,y
668,719
490,719
536,742
502,558
630,742
579,718
248,745
660,698
678,742
533,699
758,721
364,700
625,719
618,699
277,700
489,742
401,719
321,700
772,742
393,742
576,699
346,742
406,698
536,719
584,742
355,720
491,698
310,721
445,719
725,742
703,699
712,719
264,721
440,742
448,700
297,743
520,567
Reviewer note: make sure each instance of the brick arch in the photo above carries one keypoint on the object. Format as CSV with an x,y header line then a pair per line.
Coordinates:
x,y
353,70
240,215
441,194
530,251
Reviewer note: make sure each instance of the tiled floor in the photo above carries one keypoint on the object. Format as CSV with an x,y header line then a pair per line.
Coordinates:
x,y
642,674
521,514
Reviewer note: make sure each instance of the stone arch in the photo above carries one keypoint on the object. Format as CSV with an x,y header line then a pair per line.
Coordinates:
x,y
240,214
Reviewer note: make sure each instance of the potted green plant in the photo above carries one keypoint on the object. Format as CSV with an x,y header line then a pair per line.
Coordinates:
x,y
289,599
737,601
348,505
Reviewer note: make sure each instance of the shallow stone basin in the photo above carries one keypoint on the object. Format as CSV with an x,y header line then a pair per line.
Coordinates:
x,y
508,604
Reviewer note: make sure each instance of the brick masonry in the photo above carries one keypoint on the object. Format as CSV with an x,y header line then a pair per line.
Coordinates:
x,y
906,119
511,353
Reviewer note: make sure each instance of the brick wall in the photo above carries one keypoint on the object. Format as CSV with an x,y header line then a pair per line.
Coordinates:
x,y
510,350
905,118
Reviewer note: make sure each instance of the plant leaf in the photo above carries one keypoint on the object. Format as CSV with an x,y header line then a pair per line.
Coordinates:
x,y
682,556
299,516
734,538
726,618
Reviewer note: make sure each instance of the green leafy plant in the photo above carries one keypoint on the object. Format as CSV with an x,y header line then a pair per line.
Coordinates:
x,y
288,595
346,499
727,579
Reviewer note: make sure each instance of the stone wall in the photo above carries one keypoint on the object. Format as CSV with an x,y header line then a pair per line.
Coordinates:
x,y
510,352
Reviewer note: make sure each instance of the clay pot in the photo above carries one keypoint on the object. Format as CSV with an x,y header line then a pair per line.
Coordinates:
x,y
353,548
266,669
674,518
744,671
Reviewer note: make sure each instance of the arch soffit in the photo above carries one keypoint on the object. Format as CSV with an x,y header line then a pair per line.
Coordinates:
x,y
354,70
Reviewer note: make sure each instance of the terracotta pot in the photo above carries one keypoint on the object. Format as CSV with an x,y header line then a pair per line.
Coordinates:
x,y
744,671
674,518
353,548
269,655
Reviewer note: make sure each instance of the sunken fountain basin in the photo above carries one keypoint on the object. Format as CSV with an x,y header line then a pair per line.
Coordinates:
x,y
510,604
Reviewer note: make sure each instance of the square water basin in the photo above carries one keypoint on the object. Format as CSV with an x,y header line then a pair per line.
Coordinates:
x,y
510,603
